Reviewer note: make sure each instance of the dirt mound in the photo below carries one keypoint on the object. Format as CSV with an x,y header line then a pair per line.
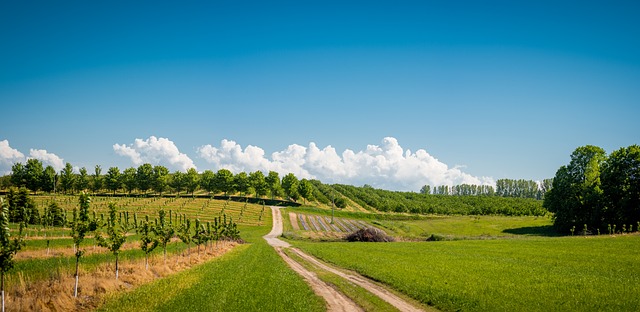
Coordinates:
x,y
369,235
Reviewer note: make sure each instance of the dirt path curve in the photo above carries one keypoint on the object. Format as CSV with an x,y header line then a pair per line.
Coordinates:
x,y
336,301
355,278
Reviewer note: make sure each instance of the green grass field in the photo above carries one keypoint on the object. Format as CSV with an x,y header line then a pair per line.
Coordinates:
x,y
536,274
250,278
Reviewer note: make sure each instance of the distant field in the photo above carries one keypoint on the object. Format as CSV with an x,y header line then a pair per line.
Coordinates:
x,y
535,274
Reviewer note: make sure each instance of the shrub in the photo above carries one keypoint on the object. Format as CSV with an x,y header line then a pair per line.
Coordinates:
x,y
369,235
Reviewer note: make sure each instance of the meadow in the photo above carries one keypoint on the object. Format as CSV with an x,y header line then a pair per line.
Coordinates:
x,y
535,274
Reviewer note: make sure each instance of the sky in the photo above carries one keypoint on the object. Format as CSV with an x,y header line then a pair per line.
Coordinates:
x,y
391,94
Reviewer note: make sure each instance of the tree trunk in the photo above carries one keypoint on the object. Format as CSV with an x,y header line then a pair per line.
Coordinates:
x,y
2,291
165,254
116,267
75,288
146,261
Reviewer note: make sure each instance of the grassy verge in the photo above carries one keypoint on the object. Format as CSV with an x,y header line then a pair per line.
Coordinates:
x,y
537,274
250,278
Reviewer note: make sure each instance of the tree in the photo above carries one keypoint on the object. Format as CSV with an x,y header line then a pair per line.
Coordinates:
x,y
305,189
97,183
79,228
207,181
144,177
184,233
67,179
164,231
82,180
148,241
160,178
22,209
620,180
224,181
258,183
18,175
273,181
576,196
290,186
241,183
192,180
116,235
33,171
8,248
129,179
178,181
48,179
113,179
426,189
53,215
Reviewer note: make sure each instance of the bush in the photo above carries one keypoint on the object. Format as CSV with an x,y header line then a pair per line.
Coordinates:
x,y
369,235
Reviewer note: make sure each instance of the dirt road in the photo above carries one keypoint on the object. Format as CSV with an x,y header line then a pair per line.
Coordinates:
x,y
336,301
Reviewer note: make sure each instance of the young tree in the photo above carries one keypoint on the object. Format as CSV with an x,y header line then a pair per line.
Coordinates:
x,y
148,241
96,186
53,215
184,233
200,235
113,179
8,247
164,231
116,235
18,175
79,229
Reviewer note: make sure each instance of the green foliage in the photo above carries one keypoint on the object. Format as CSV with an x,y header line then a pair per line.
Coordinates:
x,y
241,183
305,189
273,182
67,178
82,180
53,215
148,240
192,180
116,235
160,179
113,179
290,186
164,231
258,183
144,177
129,179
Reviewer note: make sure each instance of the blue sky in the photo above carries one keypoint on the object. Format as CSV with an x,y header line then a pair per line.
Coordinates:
x,y
488,89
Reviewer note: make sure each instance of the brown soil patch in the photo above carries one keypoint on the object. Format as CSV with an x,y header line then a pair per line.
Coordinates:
x,y
293,218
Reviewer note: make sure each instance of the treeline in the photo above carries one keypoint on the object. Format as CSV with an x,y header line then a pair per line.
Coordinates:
x,y
147,178
596,192
421,203
504,188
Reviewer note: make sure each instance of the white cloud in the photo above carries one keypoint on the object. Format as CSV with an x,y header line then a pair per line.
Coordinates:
x,y
47,158
8,156
386,166
156,151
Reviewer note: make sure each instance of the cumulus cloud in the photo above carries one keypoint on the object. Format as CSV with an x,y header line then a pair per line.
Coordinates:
x,y
47,159
386,166
8,156
156,151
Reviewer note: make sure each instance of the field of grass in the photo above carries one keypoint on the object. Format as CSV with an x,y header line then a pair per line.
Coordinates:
x,y
536,274
250,278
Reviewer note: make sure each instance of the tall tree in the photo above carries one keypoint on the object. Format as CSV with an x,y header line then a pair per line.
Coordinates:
x,y
241,183
160,179
97,182
621,186
67,178
34,174
207,181
258,183
425,189
576,196
18,175
273,180
224,181
82,180
113,179
48,180
192,180
178,181
144,177
305,189
129,179
290,186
